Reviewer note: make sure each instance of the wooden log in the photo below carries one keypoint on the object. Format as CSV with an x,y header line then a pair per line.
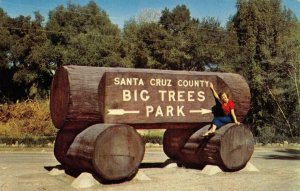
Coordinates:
x,y
112,152
64,139
175,139
144,98
230,148
74,97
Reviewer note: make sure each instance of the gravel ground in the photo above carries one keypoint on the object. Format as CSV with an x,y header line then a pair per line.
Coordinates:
x,y
279,169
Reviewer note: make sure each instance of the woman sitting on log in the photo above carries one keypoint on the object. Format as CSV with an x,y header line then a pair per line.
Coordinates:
x,y
228,110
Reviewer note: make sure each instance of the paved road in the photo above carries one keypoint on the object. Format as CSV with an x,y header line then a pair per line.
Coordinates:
x,y
279,170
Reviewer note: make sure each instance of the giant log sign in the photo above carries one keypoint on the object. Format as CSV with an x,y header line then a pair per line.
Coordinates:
x,y
82,96
116,98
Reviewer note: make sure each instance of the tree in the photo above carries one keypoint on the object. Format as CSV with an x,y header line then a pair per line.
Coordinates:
x,y
206,44
25,76
6,71
134,51
30,51
261,29
84,35
176,42
175,20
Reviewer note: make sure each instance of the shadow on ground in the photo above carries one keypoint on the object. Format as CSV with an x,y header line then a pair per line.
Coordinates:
x,y
286,154
49,168
75,174
157,164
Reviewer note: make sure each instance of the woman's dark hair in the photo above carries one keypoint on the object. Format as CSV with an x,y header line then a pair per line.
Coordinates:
x,y
221,93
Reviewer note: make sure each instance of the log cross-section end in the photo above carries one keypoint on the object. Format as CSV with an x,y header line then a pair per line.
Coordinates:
x,y
236,147
119,152
59,98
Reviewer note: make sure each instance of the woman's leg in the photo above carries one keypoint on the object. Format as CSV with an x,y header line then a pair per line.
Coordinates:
x,y
218,122
211,130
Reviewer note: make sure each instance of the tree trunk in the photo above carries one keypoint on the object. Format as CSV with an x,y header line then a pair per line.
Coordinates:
x,y
74,100
175,139
230,148
113,152
64,139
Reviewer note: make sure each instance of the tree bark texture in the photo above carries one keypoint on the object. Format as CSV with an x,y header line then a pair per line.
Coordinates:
x,y
175,139
112,152
64,139
230,148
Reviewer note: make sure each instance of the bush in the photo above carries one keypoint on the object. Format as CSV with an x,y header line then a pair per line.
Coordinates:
x,y
153,139
266,134
152,135
29,118
27,141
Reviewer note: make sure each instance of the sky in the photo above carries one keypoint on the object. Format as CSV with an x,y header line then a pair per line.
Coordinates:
x,y
120,11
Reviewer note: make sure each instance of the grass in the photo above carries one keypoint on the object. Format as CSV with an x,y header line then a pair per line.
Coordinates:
x,y
152,136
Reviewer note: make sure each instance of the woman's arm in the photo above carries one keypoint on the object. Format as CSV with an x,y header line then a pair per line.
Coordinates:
x,y
234,117
214,91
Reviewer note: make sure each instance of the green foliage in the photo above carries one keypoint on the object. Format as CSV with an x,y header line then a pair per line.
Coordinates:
x,y
25,72
152,136
176,42
266,134
153,139
84,35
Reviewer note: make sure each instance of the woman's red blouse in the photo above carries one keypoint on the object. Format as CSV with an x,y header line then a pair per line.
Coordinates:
x,y
227,107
